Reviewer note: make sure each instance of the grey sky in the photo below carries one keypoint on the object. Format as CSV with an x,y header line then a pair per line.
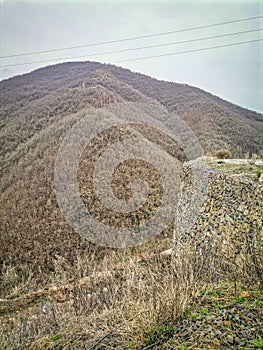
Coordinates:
x,y
234,73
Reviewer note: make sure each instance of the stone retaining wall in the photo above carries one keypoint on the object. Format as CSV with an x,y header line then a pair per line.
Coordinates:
x,y
219,220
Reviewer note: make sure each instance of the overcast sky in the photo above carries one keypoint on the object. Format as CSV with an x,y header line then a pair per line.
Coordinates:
x,y
234,73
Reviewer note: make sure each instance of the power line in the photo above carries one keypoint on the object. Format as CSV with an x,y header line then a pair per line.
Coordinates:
x,y
189,51
136,48
133,38
169,44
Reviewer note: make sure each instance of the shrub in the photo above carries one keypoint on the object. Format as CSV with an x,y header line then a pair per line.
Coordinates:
x,y
223,154
255,156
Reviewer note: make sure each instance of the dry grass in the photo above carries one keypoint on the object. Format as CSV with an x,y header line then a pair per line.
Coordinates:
x,y
129,299
126,295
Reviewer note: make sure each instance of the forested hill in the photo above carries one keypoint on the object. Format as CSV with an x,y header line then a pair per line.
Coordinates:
x,y
29,102
37,109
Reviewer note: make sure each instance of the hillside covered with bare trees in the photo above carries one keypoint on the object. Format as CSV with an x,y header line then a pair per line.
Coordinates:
x,y
68,292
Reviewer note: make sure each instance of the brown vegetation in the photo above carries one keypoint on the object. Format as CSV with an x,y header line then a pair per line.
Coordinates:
x,y
223,154
49,274
131,299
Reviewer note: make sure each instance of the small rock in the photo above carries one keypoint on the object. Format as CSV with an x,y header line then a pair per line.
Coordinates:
x,y
44,309
167,252
227,323
230,338
91,295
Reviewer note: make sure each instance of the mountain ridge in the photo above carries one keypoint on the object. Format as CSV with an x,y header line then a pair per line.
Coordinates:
x,y
194,105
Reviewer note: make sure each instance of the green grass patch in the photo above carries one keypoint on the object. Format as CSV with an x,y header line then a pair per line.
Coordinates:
x,y
257,344
195,314
183,347
42,299
212,293
240,300
157,335
54,338
242,168
218,306
132,344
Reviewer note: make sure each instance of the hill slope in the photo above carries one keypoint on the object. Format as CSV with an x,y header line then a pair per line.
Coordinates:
x,y
36,111
60,291
69,87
